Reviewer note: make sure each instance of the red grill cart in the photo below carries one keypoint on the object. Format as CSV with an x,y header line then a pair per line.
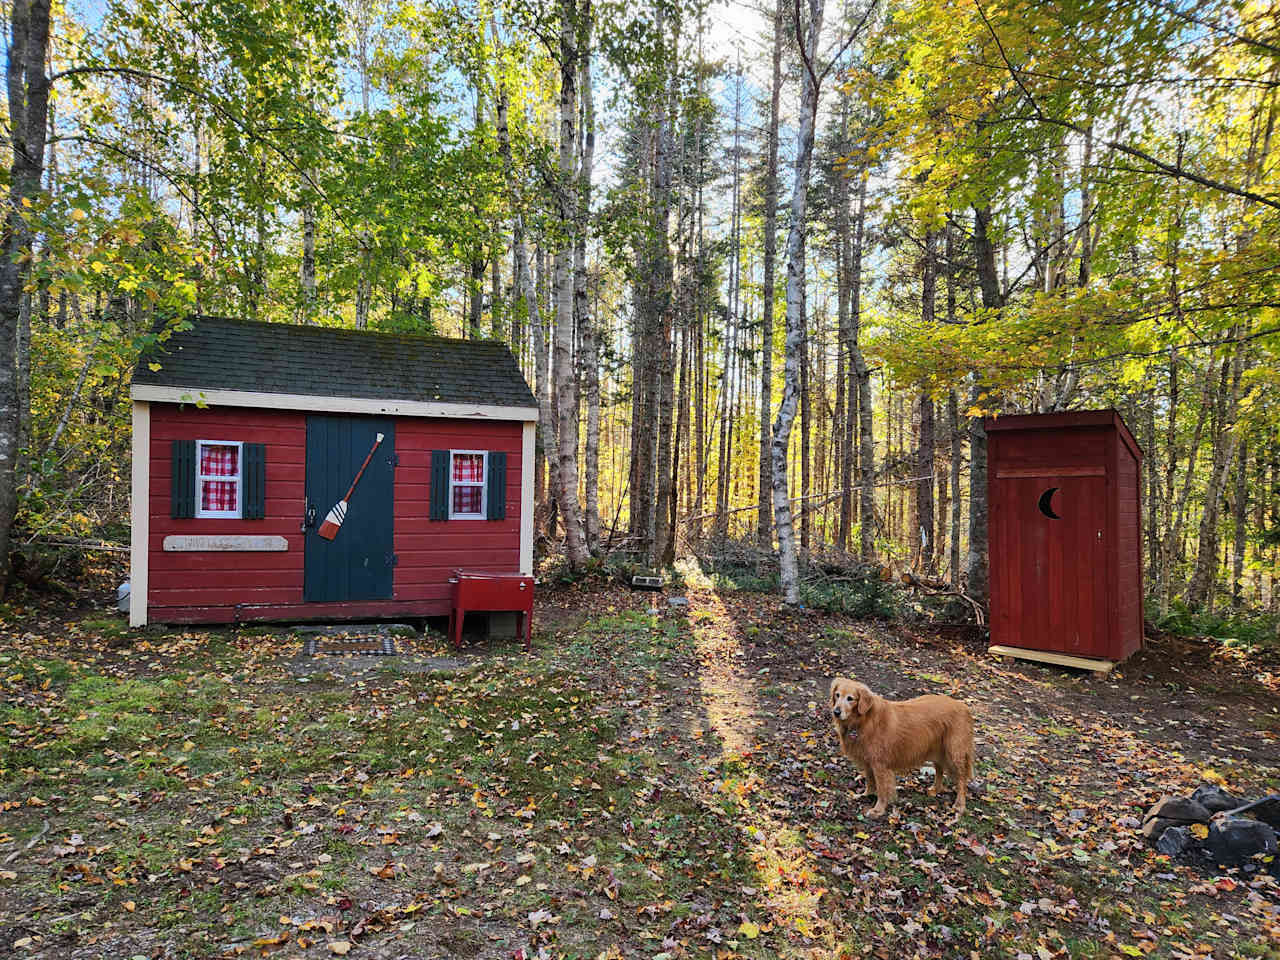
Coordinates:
x,y
487,591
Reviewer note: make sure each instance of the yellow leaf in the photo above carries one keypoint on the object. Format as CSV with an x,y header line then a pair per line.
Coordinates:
x,y
340,947
749,930
130,906
77,214
1200,830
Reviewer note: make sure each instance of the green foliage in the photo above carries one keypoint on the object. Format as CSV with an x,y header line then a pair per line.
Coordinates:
x,y
1229,627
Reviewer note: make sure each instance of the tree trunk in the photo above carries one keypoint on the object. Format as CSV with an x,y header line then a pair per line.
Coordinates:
x,y
1240,519
953,418
861,383
565,382
475,300
789,565
364,284
526,291
588,323
806,402
926,448
976,574
764,531
1201,588
846,374
308,272
28,92
663,533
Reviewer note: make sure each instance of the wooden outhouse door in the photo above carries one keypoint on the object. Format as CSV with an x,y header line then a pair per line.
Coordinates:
x,y
357,564
1051,589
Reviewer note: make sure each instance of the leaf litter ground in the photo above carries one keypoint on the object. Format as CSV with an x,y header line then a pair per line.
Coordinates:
x,y
642,786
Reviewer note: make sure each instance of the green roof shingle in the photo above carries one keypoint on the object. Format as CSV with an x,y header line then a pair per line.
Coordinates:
x,y
221,353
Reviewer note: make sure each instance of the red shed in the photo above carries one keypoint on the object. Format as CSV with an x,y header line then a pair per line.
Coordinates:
x,y
1065,536
247,436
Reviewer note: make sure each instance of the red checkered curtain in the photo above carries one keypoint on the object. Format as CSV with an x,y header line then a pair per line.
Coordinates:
x,y
468,480
217,460
466,499
468,468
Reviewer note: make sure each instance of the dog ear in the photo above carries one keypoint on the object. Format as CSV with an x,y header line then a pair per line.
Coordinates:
x,y
865,698
832,691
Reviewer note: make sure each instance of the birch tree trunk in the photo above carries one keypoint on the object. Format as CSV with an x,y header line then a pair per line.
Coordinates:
x,y
586,318
764,531
308,268
976,574
565,382
28,92
789,565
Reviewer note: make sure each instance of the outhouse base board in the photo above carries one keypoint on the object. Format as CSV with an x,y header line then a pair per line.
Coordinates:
x,y
1048,656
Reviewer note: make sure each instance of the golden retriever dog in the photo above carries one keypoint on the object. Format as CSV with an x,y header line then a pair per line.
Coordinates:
x,y
884,738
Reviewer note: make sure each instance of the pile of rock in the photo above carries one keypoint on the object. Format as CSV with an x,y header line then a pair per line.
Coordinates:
x,y
1214,828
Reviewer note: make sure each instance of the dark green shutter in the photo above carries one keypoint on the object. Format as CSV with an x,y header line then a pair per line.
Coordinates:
x,y
439,485
182,485
496,501
255,481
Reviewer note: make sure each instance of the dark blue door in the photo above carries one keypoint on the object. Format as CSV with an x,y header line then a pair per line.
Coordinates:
x,y
357,563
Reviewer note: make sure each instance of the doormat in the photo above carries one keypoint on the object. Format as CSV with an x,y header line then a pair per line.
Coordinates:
x,y
343,646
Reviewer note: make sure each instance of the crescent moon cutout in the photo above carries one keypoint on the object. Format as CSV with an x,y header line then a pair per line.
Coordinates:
x,y
1046,503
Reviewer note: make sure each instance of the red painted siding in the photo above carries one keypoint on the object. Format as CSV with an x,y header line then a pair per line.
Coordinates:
x,y
225,586
1070,585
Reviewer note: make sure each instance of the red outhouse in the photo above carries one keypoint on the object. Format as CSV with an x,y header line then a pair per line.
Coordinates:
x,y
286,472
1065,534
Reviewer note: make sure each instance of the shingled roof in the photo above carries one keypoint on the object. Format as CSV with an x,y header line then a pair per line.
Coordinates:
x,y
220,353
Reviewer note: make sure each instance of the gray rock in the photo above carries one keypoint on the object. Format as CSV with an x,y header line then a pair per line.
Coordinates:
x,y
1267,810
1215,799
1155,827
678,601
1235,841
1176,842
1179,810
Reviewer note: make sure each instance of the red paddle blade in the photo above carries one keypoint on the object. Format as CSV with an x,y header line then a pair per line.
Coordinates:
x,y
329,529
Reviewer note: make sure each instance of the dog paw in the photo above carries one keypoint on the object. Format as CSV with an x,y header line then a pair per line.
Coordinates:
x,y
875,813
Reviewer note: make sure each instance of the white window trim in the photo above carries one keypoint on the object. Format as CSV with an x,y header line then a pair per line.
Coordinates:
x,y
238,512
483,485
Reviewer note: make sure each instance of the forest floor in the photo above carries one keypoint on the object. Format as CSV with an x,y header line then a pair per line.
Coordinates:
x,y
644,784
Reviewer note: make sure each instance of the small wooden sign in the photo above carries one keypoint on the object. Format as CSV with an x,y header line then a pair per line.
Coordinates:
x,y
184,543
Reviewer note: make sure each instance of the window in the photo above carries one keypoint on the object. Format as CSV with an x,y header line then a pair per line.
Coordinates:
x,y
467,484
218,479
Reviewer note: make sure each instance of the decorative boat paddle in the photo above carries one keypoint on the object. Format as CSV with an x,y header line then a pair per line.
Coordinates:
x,y
329,529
